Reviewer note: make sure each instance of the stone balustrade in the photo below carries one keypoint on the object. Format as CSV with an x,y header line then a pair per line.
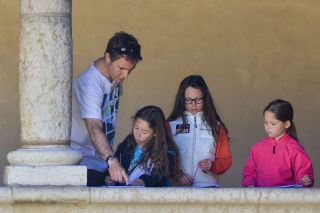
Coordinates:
x,y
194,200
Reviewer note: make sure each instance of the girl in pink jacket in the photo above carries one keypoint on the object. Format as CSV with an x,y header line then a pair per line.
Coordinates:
x,y
278,160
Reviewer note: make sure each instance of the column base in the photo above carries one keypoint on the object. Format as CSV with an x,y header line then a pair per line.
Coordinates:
x,y
45,175
44,156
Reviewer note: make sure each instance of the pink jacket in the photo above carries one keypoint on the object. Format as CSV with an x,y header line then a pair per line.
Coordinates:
x,y
281,163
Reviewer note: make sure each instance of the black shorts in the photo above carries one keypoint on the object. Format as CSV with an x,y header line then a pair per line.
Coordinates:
x,y
95,178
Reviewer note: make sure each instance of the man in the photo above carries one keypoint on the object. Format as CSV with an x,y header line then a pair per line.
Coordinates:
x,y
96,94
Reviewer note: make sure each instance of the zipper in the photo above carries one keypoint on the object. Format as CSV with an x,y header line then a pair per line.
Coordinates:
x,y
193,144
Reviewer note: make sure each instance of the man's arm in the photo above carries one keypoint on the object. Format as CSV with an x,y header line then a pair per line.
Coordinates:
x,y
101,144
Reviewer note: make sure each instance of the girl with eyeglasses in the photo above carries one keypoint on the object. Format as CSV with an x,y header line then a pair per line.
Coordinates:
x,y
200,135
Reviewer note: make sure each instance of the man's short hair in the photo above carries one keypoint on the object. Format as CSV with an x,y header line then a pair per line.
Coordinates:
x,y
123,44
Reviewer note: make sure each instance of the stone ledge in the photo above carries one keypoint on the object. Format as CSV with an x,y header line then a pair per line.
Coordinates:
x,y
158,195
85,199
50,194
6,195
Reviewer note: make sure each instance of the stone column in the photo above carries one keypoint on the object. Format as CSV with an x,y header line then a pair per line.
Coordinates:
x,y
45,67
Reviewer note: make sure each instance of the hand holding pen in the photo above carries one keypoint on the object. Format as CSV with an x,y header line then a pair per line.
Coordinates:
x,y
205,165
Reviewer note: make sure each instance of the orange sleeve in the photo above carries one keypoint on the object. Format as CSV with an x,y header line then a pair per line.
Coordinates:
x,y
223,159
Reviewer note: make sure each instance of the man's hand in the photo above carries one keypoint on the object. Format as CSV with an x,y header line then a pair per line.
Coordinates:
x,y
117,172
109,182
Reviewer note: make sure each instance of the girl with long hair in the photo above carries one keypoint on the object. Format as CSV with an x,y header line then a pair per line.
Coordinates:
x,y
200,135
144,152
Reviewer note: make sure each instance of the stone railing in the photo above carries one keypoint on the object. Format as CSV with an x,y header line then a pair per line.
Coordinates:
x,y
84,199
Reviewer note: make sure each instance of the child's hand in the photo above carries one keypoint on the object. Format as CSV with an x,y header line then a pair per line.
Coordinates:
x,y
305,181
185,179
109,182
138,182
205,164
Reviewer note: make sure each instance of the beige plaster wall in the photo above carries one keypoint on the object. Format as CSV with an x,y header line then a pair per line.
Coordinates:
x,y
250,52
9,85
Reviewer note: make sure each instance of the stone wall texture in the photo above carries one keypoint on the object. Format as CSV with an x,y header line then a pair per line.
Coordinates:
x,y
45,71
150,200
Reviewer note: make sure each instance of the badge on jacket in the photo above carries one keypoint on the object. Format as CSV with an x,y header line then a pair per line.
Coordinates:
x,y
182,128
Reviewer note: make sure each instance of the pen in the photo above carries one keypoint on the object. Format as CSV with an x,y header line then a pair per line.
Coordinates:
x,y
195,173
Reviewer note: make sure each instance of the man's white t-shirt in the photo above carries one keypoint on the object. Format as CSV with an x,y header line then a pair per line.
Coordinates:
x,y
93,96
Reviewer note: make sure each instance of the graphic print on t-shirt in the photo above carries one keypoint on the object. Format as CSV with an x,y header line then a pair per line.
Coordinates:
x,y
109,113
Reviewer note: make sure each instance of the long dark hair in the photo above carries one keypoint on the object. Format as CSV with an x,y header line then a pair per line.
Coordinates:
x,y
283,112
157,149
210,114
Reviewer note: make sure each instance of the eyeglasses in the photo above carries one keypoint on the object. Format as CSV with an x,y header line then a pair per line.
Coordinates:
x,y
195,100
